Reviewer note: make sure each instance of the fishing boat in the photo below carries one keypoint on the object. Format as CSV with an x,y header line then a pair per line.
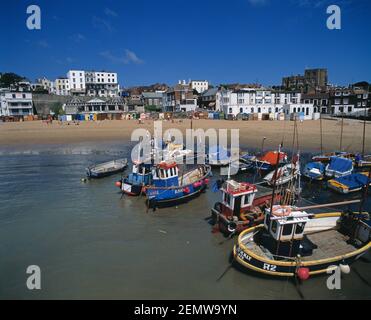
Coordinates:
x,y
294,243
314,171
351,183
170,188
284,174
218,156
339,167
363,161
242,206
136,181
107,168
268,161
326,157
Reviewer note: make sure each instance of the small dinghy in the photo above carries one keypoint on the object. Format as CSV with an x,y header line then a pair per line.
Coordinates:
x,y
107,168
285,174
326,157
363,161
170,188
339,167
268,161
314,171
351,183
294,243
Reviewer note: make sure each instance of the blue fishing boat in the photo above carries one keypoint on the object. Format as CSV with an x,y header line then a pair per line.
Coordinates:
x,y
339,167
170,188
314,171
218,156
135,182
351,183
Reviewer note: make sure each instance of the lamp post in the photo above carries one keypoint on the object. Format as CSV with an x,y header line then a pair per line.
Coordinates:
x,y
264,138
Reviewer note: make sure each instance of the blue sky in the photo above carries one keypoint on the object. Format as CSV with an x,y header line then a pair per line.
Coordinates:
x,y
149,41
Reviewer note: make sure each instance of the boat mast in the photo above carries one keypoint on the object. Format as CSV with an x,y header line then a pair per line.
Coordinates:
x,y
275,175
366,192
320,125
341,133
364,123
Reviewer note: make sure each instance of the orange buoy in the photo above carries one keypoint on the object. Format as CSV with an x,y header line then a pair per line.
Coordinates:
x,y
186,190
118,184
206,181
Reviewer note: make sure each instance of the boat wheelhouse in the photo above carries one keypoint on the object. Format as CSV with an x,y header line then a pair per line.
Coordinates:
x,y
242,206
294,243
136,181
170,187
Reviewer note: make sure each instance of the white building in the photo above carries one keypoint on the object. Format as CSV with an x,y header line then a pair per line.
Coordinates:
x,y
76,81
199,85
263,101
62,86
15,103
45,83
102,84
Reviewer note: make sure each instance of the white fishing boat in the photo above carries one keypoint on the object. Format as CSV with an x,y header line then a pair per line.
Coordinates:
x,y
284,174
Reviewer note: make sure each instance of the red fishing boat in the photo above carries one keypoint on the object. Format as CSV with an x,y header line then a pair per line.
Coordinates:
x,y
242,206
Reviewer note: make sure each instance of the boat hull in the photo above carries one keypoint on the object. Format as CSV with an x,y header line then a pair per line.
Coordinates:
x,y
94,175
132,189
249,261
175,200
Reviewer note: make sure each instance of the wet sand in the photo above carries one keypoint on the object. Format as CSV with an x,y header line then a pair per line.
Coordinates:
x,y
251,132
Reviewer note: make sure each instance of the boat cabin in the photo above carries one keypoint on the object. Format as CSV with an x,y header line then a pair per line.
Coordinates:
x,y
237,196
166,174
284,234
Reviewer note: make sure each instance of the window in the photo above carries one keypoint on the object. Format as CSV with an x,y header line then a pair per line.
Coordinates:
x,y
246,200
274,226
230,110
259,110
287,229
241,110
299,228
349,109
252,110
13,95
23,96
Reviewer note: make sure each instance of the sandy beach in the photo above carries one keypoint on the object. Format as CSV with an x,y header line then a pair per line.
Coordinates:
x,y
19,134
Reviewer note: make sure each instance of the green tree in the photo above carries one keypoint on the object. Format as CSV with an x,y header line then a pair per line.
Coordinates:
x,y
8,79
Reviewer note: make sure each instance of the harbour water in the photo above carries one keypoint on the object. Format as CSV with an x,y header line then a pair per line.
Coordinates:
x,y
90,243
